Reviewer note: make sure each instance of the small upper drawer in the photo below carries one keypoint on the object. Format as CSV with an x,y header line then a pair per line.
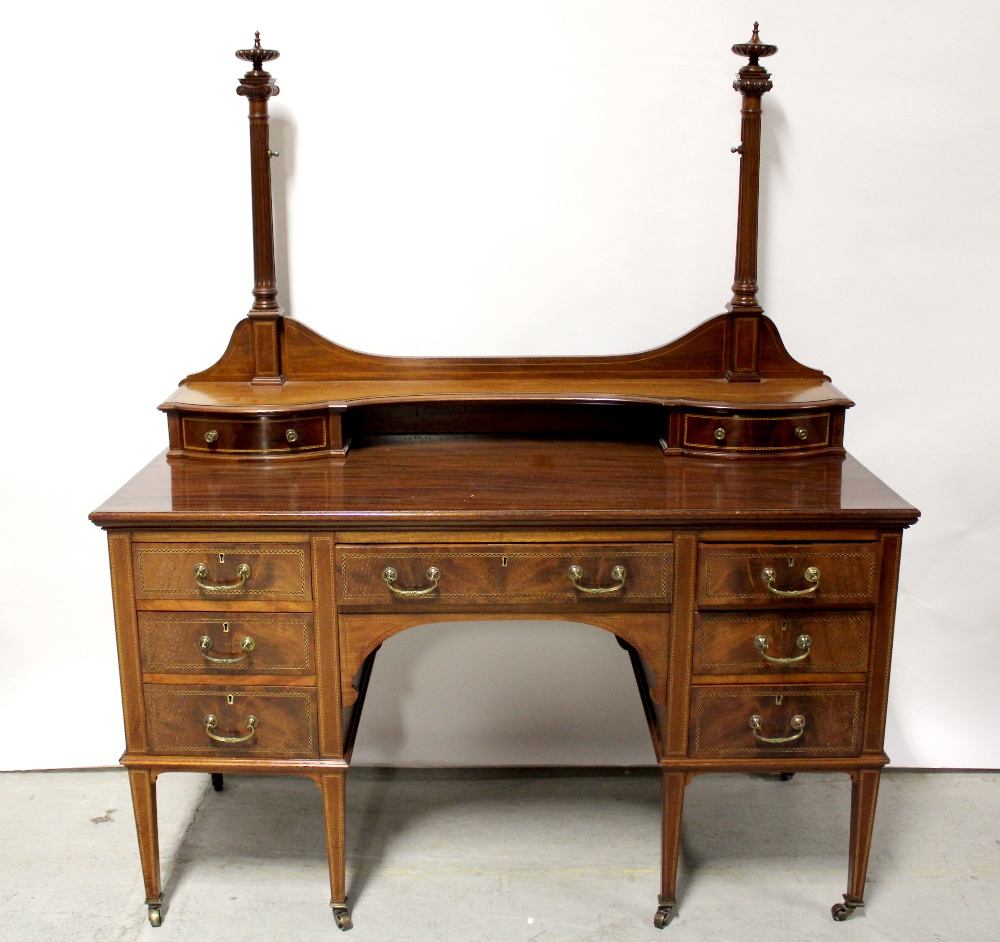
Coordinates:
x,y
750,722
756,432
734,575
278,722
213,434
789,643
237,642
375,578
222,571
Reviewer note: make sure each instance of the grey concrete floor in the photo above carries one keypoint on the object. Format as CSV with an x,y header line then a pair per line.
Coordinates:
x,y
493,855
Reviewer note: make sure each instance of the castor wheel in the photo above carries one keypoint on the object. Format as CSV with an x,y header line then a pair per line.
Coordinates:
x,y
844,910
342,918
155,917
217,781
786,776
664,913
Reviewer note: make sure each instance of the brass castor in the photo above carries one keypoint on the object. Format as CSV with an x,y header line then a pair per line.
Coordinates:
x,y
217,781
155,917
664,913
844,910
342,917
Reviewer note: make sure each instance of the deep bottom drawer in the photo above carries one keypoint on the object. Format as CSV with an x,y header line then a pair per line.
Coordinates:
x,y
179,721
811,722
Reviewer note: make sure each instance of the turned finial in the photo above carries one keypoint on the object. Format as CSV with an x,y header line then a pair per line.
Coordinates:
x,y
754,49
257,55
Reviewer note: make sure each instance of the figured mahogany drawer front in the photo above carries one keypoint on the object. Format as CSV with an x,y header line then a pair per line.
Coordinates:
x,y
756,433
257,721
792,643
376,578
254,435
808,575
193,642
222,571
735,722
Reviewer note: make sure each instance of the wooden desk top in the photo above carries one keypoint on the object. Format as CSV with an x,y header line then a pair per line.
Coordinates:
x,y
474,482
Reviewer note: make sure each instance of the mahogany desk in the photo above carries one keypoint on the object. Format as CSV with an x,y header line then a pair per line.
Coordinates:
x,y
503,522
695,500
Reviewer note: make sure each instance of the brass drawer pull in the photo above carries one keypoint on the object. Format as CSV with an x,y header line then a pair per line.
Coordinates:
x,y
390,575
618,573
803,643
201,571
810,575
798,723
205,645
211,721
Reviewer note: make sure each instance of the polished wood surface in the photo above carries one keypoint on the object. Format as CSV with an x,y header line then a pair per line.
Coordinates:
x,y
695,500
483,482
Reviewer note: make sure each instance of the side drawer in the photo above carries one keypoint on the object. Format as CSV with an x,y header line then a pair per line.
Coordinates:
x,y
807,642
227,642
222,571
270,721
756,433
219,434
721,718
385,578
735,575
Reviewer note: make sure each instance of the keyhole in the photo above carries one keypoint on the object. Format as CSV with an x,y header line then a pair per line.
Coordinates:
x,y
777,699
791,561
225,626
230,699
503,561
222,557
784,624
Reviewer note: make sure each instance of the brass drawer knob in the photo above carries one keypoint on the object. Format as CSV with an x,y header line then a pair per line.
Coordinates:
x,y
719,434
810,575
618,574
292,436
205,645
798,723
803,643
212,721
390,575
201,571
211,436
800,433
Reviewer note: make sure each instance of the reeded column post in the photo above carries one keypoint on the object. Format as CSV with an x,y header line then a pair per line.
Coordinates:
x,y
752,82
265,314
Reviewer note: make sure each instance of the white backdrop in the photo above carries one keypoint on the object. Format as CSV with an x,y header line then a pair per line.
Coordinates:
x,y
517,178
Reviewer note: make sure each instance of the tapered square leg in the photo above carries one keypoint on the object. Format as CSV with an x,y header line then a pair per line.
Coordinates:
x,y
864,796
332,784
143,785
672,791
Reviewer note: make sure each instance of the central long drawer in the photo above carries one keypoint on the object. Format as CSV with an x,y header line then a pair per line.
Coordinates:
x,y
472,576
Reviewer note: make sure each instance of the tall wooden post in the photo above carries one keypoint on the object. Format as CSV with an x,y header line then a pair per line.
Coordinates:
x,y
752,82
265,314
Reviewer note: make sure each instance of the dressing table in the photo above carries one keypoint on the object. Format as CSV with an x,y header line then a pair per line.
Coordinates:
x,y
694,500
